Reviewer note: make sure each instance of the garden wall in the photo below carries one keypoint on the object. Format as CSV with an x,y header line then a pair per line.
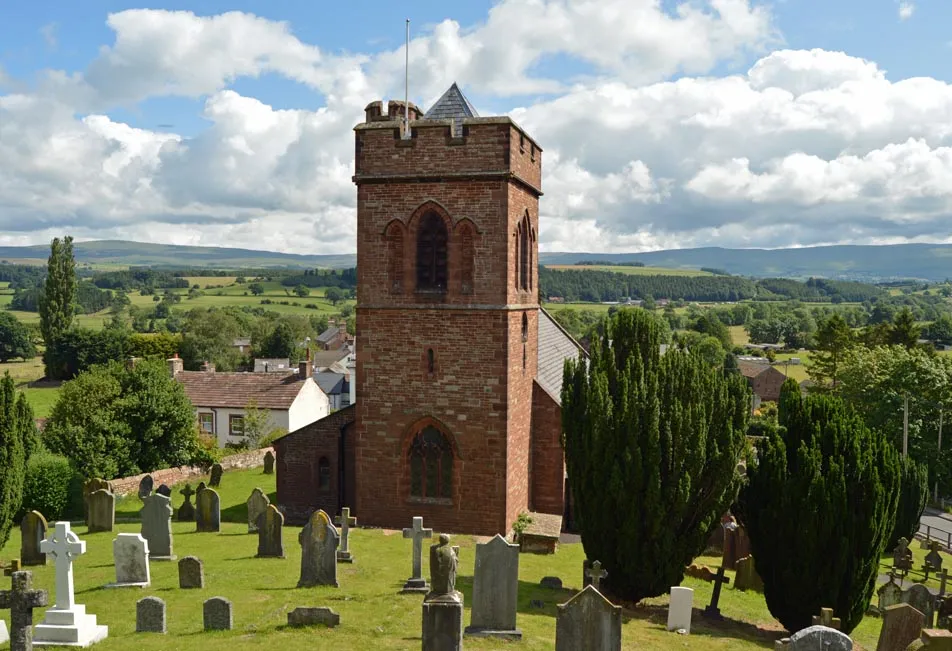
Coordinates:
x,y
170,476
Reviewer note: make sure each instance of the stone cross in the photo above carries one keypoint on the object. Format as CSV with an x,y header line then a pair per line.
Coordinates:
x,y
14,567
345,521
186,512
63,546
418,534
712,610
826,618
21,600
595,573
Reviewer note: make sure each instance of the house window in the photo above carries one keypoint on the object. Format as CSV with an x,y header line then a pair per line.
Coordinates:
x,y
236,425
431,253
206,422
324,475
431,465
467,255
395,258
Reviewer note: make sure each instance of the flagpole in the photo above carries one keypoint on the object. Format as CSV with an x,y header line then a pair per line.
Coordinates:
x,y
406,87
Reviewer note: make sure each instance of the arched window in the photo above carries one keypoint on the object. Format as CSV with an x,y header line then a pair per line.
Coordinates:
x,y
467,259
431,253
395,258
525,340
431,465
524,246
324,475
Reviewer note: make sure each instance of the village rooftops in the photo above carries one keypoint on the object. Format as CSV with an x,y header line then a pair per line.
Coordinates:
x,y
236,390
752,369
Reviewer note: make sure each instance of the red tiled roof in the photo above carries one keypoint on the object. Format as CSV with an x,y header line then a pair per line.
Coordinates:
x,y
236,390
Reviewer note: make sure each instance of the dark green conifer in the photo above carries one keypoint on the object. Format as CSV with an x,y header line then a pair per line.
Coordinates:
x,y
16,423
913,495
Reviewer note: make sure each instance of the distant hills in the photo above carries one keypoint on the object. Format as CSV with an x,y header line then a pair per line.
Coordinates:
x,y
868,263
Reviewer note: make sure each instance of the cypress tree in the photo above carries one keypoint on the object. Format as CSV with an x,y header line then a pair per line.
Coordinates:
x,y
651,443
819,506
913,495
16,421
59,291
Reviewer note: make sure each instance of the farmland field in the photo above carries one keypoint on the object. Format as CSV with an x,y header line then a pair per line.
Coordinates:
x,y
634,271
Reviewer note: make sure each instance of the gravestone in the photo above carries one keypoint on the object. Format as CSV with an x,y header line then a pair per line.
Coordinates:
x,y
4,635
257,503
944,615
208,512
201,486
551,582
443,605
346,521
164,490
269,462
816,637
145,486
495,590
736,544
416,582
191,573
216,614
102,511
712,610
592,574
919,597
21,599
156,515
933,640
313,617
32,530
186,512
215,478
319,542
150,615
943,577
679,609
14,567
826,618
130,552
746,577
889,594
88,489
902,555
933,561
588,621
902,625
67,621
270,533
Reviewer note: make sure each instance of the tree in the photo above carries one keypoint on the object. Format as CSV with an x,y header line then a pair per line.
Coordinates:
x,y
334,295
302,290
257,289
913,495
833,339
819,506
17,433
279,343
940,330
651,446
904,331
209,336
257,424
59,292
15,340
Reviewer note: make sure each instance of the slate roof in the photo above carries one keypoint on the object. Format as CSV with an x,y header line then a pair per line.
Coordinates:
x,y
236,390
328,334
327,358
330,383
453,105
273,365
752,369
555,346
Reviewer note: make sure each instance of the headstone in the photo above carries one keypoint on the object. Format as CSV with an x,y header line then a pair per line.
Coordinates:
x,y
944,615
21,599
933,640
14,567
443,605
943,577
67,621
145,486
588,621
902,555
313,617
130,552
4,635
747,577
736,544
889,594
551,582
919,597
102,511
816,637
208,512
156,515
191,573
88,489
164,490
933,560
826,618
902,625
712,610
270,533
216,614
594,574
215,480
416,582
257,503
495,590
319,542
198,489
32,530
679,609
186,512
345,520
269,462
150,615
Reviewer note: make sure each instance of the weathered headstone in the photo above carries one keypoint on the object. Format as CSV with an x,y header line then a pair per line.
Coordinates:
x,y
593,574
944,614
67,620
270,533
712,610
746,577
164,490
156,515
933,640
933,560
495,590
345,520
191,573
826,618
208,511
145,486
416,582
816,637
679,609
257,503
269,462
214,480
319,542
130,552
198,489
588,621
551,582
902,625
889,594
186,512
443,605
88,489
919,597
21,599
313,617
902,555
32,530
150,615
216,614
943,577
736,544
102,511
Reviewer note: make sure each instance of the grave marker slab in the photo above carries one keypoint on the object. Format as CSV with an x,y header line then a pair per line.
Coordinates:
x,y
217,614
313,617
902,625
934,640
21,599
215,478
156,516
495,590
944,615
102,511
256,503
186,512
588,621
746,577
679,609
270,533
816,637
551,582
443,605
150,615
269,462
145,486
345,520
32,530
208,512
919,597
902,555
889,594
319,540
88,488
130,552
416,582
164,490
191,573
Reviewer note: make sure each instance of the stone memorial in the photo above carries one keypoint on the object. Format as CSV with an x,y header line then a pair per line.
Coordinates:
x,y
592,574
67,621
271,533
145,486
746,577
216,614
889,594
902,625
198,489
736,544
32,530
191,573
551,582
944,614
495,590
150,615
269,462
919,597
214,480
933,640
156,515
902,555
130,552
679,609
208,511
313,617
186,512
345,520
319,542
257,503
164,490
88,489
943,577
826,618
443,605
816,637
21,599
416,582
102,511
712,610
933,561
588,621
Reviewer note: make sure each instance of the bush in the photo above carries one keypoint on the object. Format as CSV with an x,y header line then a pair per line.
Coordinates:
x,y
16,424
913,495
52,487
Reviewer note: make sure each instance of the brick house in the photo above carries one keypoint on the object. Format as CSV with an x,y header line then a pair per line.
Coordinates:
x,y
334,337
458,369
765,380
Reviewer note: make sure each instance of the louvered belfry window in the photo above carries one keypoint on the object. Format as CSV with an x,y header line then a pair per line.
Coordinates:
x,y
432,253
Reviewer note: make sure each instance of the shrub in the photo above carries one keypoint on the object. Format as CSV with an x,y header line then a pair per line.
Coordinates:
x,y
16,424
913,495
52,487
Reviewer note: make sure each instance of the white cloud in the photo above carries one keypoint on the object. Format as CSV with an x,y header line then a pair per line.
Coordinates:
x,y
906,10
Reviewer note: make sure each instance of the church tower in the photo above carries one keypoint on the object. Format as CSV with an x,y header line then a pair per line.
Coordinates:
x,y
447,316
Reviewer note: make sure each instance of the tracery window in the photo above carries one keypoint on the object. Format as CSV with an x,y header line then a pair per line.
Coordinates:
x,y
432,241
431,465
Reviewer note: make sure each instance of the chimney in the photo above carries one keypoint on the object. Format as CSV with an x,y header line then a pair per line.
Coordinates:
x,y
306,368
208,367
176,365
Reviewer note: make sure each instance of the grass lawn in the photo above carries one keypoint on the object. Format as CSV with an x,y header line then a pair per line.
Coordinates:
x,y
594,307
40,398
797,371
373,613
634,271
739,335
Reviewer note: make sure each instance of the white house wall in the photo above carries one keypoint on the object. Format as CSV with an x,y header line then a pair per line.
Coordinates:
x,y
278,419
311,404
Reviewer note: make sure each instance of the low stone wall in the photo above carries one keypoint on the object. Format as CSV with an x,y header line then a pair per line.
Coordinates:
x,y
169,476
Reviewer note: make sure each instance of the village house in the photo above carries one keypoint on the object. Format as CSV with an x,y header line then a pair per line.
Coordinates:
x,y
334,337
765,380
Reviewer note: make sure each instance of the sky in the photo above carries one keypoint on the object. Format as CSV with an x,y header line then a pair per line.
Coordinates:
x,y
664,123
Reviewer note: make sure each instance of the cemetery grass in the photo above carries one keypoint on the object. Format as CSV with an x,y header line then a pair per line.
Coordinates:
x,y
373,613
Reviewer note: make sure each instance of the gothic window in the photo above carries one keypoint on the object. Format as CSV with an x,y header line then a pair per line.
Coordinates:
x,y
524,246
395,258
525,340
431,253
324,475
431,465
467,259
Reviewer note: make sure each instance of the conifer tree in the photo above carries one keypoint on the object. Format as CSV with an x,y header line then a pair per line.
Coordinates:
x,y
819,506
913,495
59,292
834,338
16,423
652,443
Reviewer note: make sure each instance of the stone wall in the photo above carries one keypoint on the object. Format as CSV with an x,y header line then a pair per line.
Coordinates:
x,y
169,476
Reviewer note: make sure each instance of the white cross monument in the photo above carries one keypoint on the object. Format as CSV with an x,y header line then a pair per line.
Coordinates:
x,y
66,623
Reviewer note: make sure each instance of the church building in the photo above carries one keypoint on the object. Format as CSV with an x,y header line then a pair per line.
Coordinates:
x,y
459,371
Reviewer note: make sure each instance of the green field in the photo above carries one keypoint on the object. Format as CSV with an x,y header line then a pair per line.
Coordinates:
x,y
634,271
41,399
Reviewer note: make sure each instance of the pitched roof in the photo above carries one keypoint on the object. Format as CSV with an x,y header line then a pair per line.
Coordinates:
x,y
328,334
752,369
272,365
453,105
236,390
555,346
330,383
326,358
